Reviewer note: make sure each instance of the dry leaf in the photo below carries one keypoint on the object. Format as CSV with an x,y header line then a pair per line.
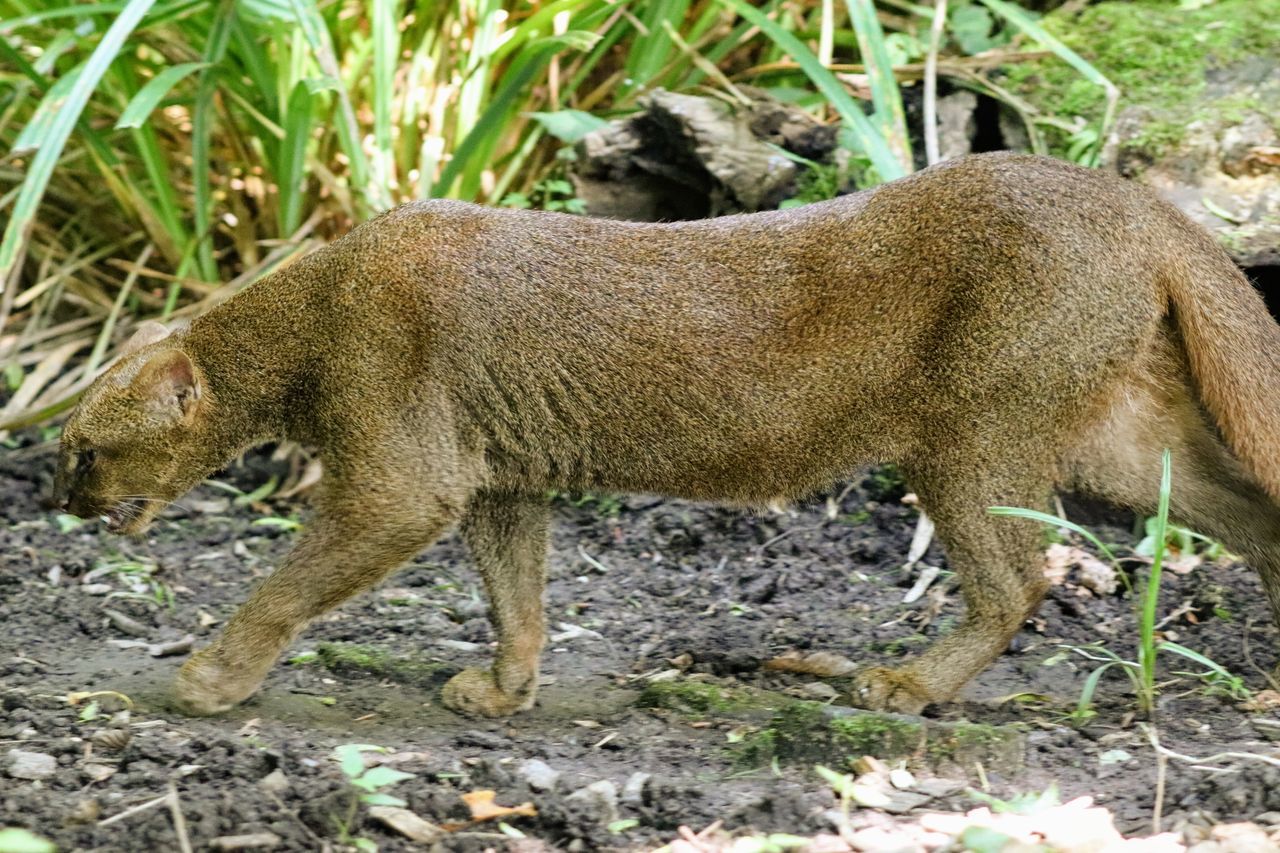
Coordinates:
x,y
1182,563
1057,563
1263,700
823,664
483,807
1095,576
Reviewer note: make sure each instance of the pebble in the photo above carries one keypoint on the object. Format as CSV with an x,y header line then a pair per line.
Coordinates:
x,y
819,690
633,788
407,823
31,765
274,782
600,797
250,841
487,740
539,775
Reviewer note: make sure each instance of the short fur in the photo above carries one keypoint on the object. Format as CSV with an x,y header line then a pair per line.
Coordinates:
x,y
997,326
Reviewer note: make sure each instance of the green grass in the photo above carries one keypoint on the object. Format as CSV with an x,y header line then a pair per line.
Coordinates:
x,y
1158,53
1140,670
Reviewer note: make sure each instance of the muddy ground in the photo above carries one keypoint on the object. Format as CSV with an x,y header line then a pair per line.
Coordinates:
x,y
671,596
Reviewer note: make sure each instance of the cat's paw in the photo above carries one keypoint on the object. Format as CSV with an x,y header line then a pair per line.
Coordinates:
x,y
205,686
882,689
474,691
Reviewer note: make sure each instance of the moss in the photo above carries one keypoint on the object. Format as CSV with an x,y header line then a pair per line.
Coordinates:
x,y
357,659
964,744
812,731
876,734
755,749
699,699
885,484
797,731
1158,54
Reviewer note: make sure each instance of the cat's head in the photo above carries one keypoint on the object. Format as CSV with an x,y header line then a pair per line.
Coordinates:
x,y
135,442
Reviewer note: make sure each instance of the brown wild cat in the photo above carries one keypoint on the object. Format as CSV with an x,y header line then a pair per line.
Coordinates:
x,y
997,325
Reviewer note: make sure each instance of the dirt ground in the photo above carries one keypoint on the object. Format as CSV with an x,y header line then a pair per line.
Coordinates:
x,y
643,592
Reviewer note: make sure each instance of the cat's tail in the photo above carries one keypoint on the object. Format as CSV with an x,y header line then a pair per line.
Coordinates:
x,y
1233,346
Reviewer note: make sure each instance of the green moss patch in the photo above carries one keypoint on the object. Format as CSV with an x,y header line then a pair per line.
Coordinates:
x,y
801,731
699,699
356,659
1159,55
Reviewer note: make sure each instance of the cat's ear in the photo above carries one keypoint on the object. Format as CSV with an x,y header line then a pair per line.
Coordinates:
x,y
148,333
169,385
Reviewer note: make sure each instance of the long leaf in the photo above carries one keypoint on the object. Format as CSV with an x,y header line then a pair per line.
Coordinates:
x,y
1054,521
386,50
140,107
37,179
292,156
201,131
885,94
873,144
1151,595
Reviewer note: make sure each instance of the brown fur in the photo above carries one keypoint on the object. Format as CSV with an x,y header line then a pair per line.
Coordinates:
x,y
996,326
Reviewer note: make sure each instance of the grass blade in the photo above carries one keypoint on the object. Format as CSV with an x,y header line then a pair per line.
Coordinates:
x,y
37,178
1053,521
386,50
201,131
1151,594
885,94
292,156
141,105
873,144
1028,25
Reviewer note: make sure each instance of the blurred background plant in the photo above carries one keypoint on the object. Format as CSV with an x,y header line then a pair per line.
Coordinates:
x,y
161,154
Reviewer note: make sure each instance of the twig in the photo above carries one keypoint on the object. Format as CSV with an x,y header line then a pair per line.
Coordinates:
x,y
1162,766
133,810
320,842
1210,759
931,151
179,822
592,561
920,540
760,549
1248,656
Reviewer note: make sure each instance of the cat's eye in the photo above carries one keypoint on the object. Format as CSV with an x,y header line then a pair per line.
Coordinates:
x,y
85,460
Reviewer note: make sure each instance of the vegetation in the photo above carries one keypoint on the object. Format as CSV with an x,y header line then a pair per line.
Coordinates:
x,y
161,154
1142,671
1157,54
367,784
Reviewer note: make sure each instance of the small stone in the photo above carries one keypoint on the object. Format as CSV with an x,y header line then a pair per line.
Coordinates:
x,y
85,811
1235,838
31,765
274,782
249,841
485,740
538,775
901,778
819,690
213,506
633,788
407,823
1268,818
601,798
